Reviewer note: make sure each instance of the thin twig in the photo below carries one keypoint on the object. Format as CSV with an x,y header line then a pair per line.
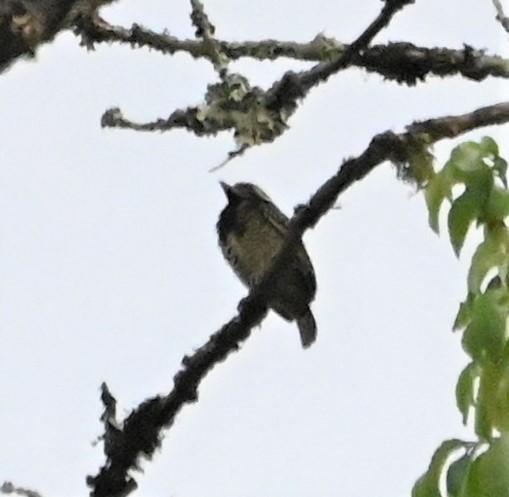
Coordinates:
x,y
206,30
501,17
9,488
322,72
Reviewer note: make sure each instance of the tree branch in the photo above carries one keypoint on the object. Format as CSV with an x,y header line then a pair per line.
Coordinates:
x,y
141,431
501,17
396,61
401,62
322,72
26,24
256,115
9,488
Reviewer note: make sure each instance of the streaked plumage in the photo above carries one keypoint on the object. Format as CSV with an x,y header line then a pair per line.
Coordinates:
x,y
251,231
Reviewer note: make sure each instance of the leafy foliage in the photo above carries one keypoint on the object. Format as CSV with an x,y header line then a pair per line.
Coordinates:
x,y
428,484
473,181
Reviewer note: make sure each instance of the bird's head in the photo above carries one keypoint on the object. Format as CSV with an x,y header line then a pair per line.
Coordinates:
x,y
244,192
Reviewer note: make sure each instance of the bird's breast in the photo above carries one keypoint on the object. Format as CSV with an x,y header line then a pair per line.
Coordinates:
x,y
251,250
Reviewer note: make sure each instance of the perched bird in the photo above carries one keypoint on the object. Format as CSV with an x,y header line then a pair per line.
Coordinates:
x,y
251,231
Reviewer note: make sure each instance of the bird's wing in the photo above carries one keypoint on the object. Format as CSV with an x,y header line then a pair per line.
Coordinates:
x,y
279,222
306,270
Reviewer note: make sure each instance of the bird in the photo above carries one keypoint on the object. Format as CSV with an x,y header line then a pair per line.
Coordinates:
x,y
251,231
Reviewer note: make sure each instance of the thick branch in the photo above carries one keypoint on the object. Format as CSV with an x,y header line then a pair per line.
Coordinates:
x,y
401,62
142,430
25,24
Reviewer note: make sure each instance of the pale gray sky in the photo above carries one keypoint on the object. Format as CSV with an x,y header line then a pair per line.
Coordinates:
x,y
110,271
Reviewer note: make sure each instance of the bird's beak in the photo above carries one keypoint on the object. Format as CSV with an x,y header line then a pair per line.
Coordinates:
x,y
226,188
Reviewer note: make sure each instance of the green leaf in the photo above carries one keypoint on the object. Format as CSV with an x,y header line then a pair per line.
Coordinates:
x,y
468,157
468,166
465,390
481,182
498,204
489,473
457,476
489,146
483,427
492,402
437,190
485,334
500,167
489,254
464,210
501,391
428,484
463,317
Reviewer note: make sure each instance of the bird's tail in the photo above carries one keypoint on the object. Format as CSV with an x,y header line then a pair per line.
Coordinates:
x,y
307,329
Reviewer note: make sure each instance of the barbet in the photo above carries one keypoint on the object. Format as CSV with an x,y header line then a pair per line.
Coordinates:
x,y
251,232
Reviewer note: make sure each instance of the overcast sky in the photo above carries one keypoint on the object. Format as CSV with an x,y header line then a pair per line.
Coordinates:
x,y
110,270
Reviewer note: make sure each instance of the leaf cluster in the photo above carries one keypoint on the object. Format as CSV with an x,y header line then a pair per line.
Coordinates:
x,y
474,182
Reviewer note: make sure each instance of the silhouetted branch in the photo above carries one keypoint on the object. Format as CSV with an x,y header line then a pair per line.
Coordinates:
x,y
141,432
26,24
